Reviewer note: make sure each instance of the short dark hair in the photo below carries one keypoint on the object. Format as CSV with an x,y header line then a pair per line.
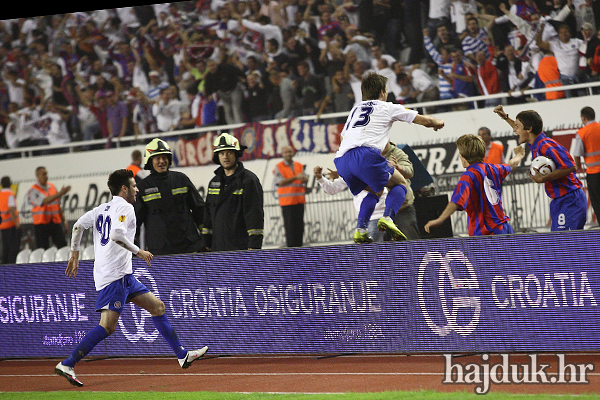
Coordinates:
x,y
118,179
372,86
531,119
588,113
5,182
485,129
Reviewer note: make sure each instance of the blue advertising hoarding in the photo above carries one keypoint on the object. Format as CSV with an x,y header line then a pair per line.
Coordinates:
x,y
536,292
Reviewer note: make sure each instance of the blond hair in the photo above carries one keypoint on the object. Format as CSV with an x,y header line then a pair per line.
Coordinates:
x,y
471,147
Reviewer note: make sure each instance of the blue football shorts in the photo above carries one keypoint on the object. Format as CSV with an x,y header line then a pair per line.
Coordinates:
x,y
364,166
120,292
569,212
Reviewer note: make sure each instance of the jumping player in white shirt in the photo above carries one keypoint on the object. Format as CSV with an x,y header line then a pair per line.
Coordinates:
x,y
359,159
114,231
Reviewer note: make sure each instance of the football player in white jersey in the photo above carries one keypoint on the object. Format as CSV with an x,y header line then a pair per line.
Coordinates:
x,y
359,159
114,231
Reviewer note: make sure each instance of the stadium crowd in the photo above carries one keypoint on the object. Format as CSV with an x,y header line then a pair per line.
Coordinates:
x,y
157,68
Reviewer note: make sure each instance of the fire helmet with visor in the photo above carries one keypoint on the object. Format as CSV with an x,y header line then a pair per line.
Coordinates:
x,y
155,147
225,141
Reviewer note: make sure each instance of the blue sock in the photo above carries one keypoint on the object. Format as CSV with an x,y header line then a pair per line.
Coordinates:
x,y
89,341
367,206
166,330
394,200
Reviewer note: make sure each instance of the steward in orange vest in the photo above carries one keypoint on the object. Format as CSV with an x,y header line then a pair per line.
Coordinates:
x,y
10,225
290,180
48,219
587,144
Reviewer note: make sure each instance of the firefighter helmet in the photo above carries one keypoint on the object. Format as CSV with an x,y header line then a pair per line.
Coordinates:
x,y
225,141
155,147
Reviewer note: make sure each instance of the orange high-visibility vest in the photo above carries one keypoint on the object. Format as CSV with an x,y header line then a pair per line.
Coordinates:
x,y
50,212
7,219
134,168
293,193
494,156
590,135
549,74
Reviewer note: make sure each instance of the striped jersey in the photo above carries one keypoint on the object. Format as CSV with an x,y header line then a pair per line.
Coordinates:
x,y
478,192
369,123
550,148
471,45
446,91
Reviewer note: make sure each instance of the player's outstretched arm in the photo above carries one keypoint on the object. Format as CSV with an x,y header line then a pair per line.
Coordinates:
x,y
429,122
72,265
448,211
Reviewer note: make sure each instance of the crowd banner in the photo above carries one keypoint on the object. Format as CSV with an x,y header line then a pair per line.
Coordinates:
x,y
484,294
263,141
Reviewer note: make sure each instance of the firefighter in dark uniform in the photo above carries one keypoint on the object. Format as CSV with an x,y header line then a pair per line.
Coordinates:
x,y
234,214
168,205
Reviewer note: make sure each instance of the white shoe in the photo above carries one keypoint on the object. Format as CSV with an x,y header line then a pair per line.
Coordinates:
x,y
191,356
67,372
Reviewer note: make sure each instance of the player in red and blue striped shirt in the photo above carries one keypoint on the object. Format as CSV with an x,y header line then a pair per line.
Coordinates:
x,y
568,208
478,191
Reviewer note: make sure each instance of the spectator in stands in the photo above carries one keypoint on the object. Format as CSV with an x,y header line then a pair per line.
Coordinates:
x,y
462,78
511,73
444,39
424,86
223,79
566,51
309,90
59,115
444,63
167,110
48,218
142,119
476,39
459,12
117,114
156,85
341,92
273,88
592,55
493,151
377,54
439,15
487,78
255,104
